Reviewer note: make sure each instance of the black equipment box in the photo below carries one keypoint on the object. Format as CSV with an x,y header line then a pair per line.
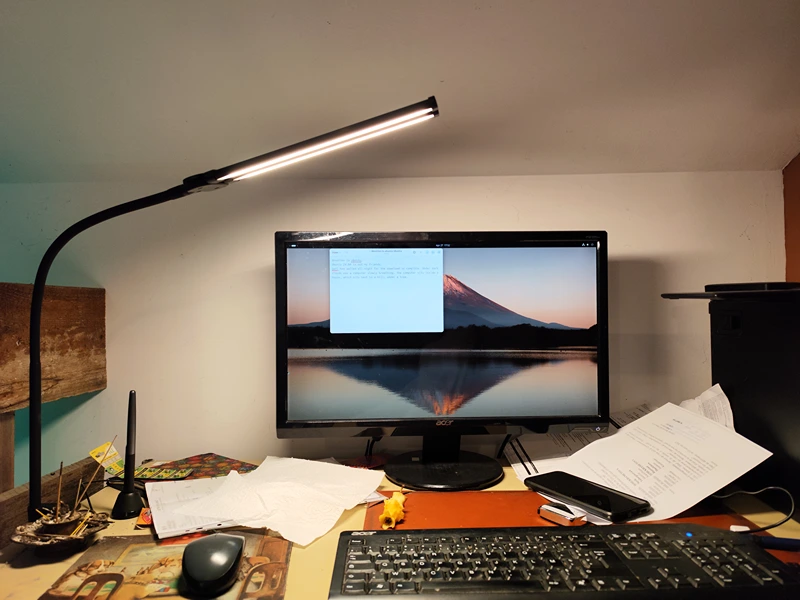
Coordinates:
x,y
755,358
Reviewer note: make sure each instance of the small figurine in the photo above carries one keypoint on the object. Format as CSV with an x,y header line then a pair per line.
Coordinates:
x,y
393,510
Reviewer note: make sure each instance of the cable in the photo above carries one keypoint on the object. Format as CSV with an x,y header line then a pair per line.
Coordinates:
x,y
788,516
503,446
371,444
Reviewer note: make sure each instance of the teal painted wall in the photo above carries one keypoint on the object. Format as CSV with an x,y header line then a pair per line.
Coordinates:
x,y
53,450
32,217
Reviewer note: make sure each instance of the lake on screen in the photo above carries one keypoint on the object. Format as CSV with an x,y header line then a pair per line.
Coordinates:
x,y
402,384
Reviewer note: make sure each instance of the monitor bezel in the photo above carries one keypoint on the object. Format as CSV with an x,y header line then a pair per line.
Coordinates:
x,y
464,425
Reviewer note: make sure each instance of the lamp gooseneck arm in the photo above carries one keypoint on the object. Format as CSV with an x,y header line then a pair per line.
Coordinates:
x,y
202,182
35,380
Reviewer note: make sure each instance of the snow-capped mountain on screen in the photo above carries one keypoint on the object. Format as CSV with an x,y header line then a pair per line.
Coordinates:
x,y
463,306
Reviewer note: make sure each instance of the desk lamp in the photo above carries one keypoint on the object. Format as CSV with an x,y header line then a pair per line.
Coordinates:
x,y
208,181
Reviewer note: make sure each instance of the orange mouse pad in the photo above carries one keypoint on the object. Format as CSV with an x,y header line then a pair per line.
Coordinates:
x,y
441,510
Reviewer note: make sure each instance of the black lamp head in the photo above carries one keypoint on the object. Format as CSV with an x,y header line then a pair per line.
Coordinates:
x,y
322,144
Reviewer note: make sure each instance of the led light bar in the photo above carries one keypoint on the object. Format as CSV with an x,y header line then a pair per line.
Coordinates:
x,y
341,138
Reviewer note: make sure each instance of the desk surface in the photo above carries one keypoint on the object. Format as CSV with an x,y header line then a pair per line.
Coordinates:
x,y
310,567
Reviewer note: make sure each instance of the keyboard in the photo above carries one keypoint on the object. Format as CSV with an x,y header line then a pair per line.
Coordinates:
x,y
617,561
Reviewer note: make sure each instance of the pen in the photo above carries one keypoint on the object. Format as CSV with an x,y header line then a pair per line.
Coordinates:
x,y
777,543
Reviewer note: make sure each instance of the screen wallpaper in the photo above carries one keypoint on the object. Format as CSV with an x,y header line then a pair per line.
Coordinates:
x,y
519,339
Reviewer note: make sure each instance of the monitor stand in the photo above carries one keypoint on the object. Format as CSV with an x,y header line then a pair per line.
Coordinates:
x,y
442,466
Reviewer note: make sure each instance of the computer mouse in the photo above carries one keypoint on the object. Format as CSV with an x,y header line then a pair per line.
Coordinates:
x,y
211,563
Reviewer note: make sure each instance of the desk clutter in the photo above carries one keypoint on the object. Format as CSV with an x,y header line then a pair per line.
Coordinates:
x,y
673,456
469,542
300,499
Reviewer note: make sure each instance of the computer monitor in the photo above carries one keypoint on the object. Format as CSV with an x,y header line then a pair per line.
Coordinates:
x,y
441,335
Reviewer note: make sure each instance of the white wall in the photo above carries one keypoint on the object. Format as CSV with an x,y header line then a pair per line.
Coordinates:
x,y
190,284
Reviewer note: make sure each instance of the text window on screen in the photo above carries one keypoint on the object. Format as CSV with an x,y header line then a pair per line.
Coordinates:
x,y
386,290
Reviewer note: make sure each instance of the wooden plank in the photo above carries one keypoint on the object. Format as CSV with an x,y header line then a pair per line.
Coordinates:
x,y
6,451
73,343
14,503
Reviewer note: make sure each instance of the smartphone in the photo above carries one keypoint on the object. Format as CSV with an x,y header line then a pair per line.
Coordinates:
x,y
612,505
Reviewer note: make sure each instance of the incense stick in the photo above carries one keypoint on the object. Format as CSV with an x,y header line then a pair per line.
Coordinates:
x,y
86,518
58,495
77,495
89,485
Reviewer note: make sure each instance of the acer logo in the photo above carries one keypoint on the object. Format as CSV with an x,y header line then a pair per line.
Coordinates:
x,y
444,423
362,533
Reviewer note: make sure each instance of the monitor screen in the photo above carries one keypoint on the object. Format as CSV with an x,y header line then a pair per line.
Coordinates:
x,y
416,332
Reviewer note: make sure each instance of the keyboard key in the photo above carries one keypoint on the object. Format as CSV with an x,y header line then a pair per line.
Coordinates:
x,y
659,582
767,579
668,552
355,577
476,575
405,587
629,583
379,587
583,585
356,587
601,584
701,582
771,574
383,557
669,571
735,580
680,582
556,585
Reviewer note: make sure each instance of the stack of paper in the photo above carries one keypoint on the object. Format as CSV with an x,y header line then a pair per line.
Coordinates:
x,y
532,454
672,457
300,499
167,497
535,453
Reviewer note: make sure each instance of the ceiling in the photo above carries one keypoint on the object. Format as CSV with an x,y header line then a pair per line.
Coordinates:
x,y
118,91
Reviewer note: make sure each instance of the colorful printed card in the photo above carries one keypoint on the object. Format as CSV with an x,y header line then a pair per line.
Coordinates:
x,y
112,463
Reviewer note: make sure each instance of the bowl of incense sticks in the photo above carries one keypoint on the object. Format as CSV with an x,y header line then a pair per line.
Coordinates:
x,y
70,532
62,529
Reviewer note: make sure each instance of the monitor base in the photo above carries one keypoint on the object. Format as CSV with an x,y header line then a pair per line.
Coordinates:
x,y
471,471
